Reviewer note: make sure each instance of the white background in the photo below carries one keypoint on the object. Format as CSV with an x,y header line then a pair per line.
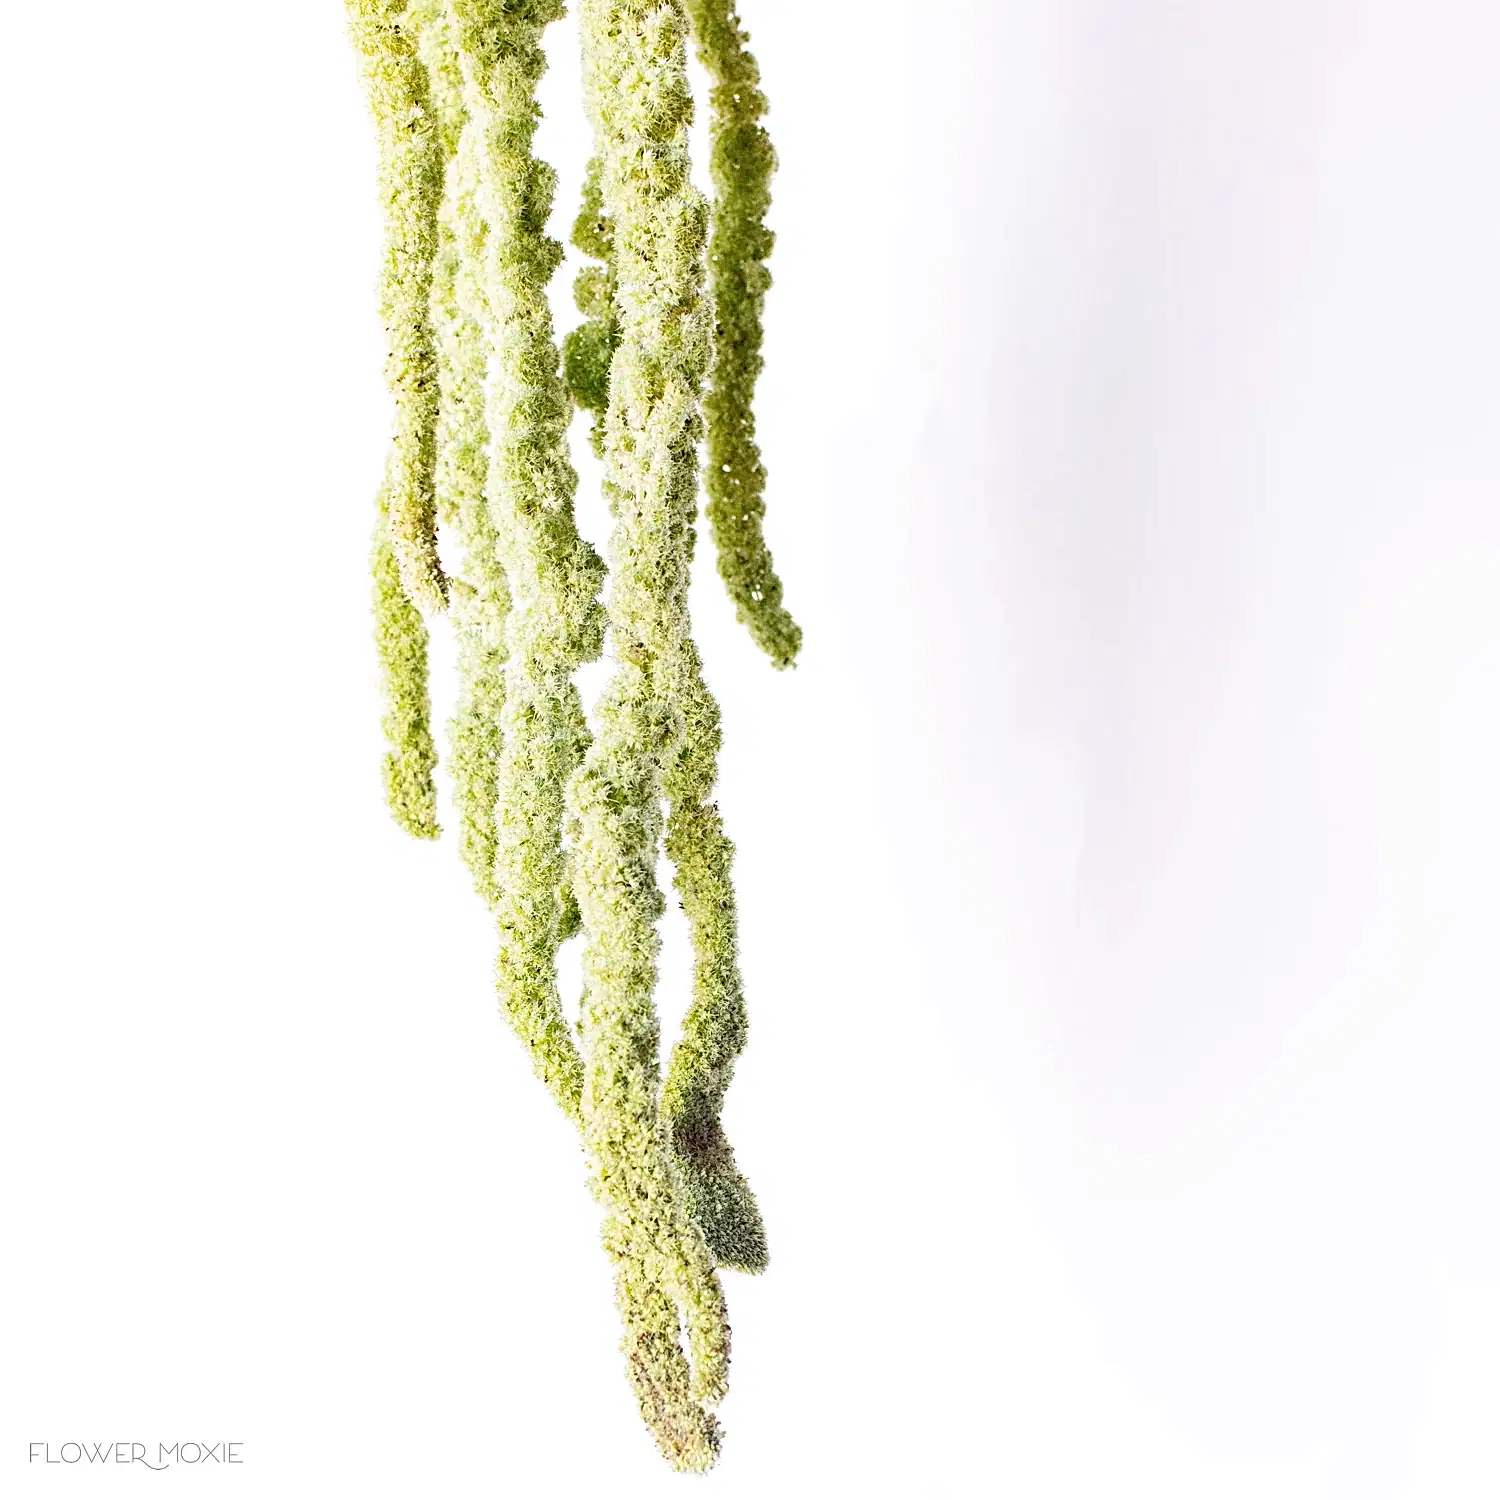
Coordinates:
x,y
1118,868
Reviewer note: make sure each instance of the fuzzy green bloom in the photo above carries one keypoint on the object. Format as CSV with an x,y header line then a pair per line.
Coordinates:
x,y
401,644
717,1197
480,597
635,81
411,183
741,163
555,622
562,831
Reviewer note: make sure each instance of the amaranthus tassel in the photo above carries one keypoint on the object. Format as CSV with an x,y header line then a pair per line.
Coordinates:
x,y
636,84
555,622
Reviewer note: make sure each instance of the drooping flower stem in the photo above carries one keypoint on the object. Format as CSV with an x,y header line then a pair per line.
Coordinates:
x,y
555,621
560,830
411,183
717,1197
741,163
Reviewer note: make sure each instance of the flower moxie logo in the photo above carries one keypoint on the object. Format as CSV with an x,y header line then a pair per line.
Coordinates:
x,y
167,1454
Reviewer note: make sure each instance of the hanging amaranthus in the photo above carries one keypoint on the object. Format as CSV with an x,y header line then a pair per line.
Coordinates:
x,y
742,161
555,622
412,184
480,597
561,830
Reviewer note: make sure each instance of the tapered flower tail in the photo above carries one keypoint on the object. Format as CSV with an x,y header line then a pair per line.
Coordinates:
x,y
741,163
562,823
635,82
719,1199
555,622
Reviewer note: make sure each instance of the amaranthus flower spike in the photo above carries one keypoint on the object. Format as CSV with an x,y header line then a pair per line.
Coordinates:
x,y
742,160
562,830
412,183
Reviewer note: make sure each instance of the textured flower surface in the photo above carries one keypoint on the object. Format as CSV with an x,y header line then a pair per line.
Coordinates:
x,y
561,829
401,644
555,622
635,81
480,595
741,162
411,176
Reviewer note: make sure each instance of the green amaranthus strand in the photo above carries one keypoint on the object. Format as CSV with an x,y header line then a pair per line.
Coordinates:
x,y
717,1196
481,444
635,81
411,180
401,646
555,622
479,596
741,163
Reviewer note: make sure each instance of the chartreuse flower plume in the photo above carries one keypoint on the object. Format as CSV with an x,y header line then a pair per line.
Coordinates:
x,y
401,643
555,623
404,553
635,81
562,828
741,162
479,595
411,179
718,1198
